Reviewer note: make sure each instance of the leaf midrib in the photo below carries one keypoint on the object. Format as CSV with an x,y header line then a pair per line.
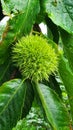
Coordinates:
x,y
44,104
11,97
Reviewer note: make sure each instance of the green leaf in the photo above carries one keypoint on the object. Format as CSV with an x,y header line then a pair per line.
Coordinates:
x,y
8,71
55,85
67,78
34,119
23,125
68,46
4,72
52,30
11,103
19,24
29,97
54,109
60,12
12,6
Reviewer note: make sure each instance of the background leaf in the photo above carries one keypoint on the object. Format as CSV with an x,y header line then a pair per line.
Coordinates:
x,y
13,6
60,12
11,103
54,109
67,78
19,24
29,97
4,72
53,29
34,120
67,40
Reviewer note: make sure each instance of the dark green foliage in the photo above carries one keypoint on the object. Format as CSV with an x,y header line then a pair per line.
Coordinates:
x,y
46,61
33,121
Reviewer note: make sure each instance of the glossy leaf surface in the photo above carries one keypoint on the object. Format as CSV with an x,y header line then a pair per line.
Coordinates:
x,y
67,40
60,12
19,24
11,103
67,78
54,109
